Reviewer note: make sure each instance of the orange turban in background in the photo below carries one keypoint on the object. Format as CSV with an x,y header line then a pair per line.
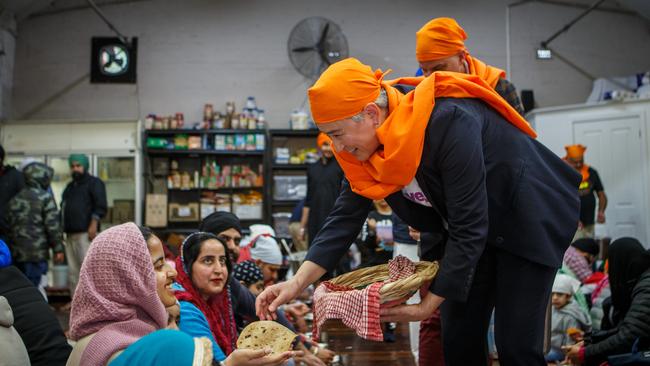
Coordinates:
x,y
345,88
575,151
439,38
443,37
322,139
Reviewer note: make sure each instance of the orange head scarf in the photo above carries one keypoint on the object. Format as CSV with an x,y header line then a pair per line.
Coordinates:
x,y
323,139
577,151
361,87
439,38
443,37
334,97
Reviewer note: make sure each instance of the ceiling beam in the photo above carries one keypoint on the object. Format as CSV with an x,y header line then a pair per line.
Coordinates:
x,y
573,4
54,10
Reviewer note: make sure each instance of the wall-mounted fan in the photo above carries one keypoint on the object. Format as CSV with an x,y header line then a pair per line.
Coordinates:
x,y
314,44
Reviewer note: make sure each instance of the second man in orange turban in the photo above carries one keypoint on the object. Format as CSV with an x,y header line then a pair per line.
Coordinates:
x,y
440,46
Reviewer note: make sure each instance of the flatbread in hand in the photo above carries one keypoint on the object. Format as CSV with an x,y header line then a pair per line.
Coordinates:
x,y
266,334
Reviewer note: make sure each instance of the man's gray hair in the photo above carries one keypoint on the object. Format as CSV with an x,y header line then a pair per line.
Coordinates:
x,y
381,102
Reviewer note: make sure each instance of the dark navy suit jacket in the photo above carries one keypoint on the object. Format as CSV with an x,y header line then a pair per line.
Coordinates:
x,y
490,184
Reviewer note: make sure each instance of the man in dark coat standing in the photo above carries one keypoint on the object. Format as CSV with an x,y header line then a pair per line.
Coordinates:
x,y
450,156
83,206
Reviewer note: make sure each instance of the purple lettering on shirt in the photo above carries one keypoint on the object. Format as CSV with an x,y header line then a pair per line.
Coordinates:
x,y
416,196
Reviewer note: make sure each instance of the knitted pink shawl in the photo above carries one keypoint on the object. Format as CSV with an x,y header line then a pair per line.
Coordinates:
x,y
116,297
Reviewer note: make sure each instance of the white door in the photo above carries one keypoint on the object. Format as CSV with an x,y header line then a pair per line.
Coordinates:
x,y
615,150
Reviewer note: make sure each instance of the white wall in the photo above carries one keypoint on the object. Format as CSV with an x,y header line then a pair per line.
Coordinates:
x,y
192,52
603,44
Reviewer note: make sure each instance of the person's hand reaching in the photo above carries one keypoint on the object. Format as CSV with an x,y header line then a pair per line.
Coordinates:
x,y
272,297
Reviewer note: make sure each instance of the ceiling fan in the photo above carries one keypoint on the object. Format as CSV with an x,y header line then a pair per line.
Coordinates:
x,y
314,44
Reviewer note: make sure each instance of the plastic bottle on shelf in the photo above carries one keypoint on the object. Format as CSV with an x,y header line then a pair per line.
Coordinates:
x,y
252,119
234,122
180,120
261,120
250,103
207,113
149,121
103,173
243,118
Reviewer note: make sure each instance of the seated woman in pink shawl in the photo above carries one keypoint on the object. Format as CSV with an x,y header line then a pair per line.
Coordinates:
x,y
118,311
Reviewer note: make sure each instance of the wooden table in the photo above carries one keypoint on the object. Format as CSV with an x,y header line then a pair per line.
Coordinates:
x,y
360,352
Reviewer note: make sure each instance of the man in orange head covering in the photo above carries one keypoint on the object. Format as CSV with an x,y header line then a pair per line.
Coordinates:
x,y
590,187
452,158
440,46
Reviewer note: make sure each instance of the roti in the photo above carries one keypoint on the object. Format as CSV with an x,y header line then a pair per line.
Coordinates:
x,y
266,334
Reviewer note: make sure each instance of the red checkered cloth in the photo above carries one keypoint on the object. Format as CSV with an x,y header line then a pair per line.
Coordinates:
x,y
358,309
577,264
400,267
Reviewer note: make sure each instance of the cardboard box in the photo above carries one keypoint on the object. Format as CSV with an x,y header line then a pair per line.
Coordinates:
x,y
156,210
207,208
123,211
248,211
122,169
289,187
160,166
183,212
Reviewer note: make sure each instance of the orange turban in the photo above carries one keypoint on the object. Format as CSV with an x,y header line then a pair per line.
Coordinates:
x,y
439,38
343,90
442,38
575,151
322,139
347,86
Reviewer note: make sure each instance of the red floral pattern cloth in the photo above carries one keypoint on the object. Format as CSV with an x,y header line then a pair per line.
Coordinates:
x,y
358,309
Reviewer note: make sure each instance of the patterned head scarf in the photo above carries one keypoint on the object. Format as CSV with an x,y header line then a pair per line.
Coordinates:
x,y
116,297
248,272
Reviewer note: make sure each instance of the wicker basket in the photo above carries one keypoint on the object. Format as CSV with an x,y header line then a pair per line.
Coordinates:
x,y
400,289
